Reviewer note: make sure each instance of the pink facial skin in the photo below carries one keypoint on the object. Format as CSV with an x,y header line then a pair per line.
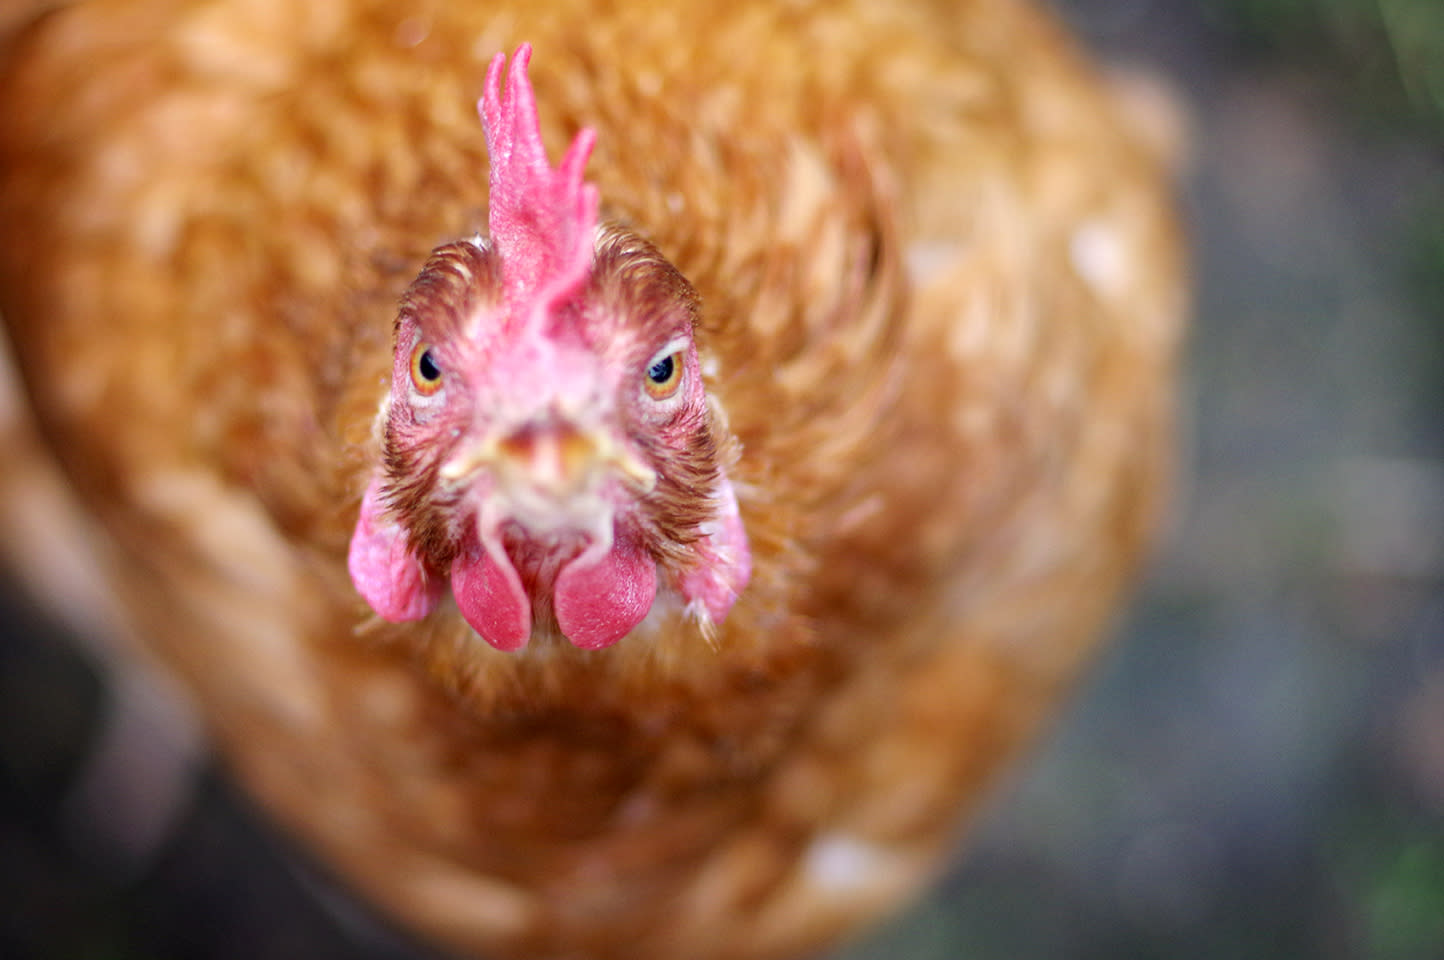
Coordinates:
x,y
544,417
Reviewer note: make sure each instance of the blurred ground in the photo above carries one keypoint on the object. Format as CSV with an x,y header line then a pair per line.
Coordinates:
x,y
1257,768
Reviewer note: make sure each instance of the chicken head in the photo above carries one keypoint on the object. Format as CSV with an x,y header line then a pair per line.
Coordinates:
x,y
547,446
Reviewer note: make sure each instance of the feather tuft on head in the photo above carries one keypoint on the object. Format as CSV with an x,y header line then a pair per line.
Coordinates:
x,y
542,220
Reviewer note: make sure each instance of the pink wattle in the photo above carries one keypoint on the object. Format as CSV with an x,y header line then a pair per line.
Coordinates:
x,y
382,567
489,594
599,602
724,560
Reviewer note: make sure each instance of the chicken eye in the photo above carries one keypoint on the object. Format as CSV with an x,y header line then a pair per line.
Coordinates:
x,y
425,374
664,376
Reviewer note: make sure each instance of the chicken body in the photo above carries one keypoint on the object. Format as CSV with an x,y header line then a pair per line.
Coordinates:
x,y
940,298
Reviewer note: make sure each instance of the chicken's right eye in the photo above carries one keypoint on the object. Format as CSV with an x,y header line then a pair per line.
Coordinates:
x,y
425,373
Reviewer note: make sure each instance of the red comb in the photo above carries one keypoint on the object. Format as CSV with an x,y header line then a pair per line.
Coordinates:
x,y
542,220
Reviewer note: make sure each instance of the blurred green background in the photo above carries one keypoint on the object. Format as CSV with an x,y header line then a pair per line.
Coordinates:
x,y
1256,768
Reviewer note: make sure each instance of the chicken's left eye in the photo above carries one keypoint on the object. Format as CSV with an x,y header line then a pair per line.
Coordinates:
x,y
664,376
425,374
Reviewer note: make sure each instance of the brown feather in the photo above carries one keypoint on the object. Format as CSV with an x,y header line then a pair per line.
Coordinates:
x,y
938,293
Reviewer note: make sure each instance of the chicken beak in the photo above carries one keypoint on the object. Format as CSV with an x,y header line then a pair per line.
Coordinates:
x,y
555,458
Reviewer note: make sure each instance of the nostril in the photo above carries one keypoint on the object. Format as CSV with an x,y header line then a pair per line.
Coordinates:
x,y
577,452
553,456
519,444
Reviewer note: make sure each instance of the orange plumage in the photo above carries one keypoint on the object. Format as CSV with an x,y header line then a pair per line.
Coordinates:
x,y
938,298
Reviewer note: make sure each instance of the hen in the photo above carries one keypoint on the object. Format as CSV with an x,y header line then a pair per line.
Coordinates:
x,y
667,575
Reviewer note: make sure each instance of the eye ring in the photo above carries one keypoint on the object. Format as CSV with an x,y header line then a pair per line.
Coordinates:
x,y
663,377
426,375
